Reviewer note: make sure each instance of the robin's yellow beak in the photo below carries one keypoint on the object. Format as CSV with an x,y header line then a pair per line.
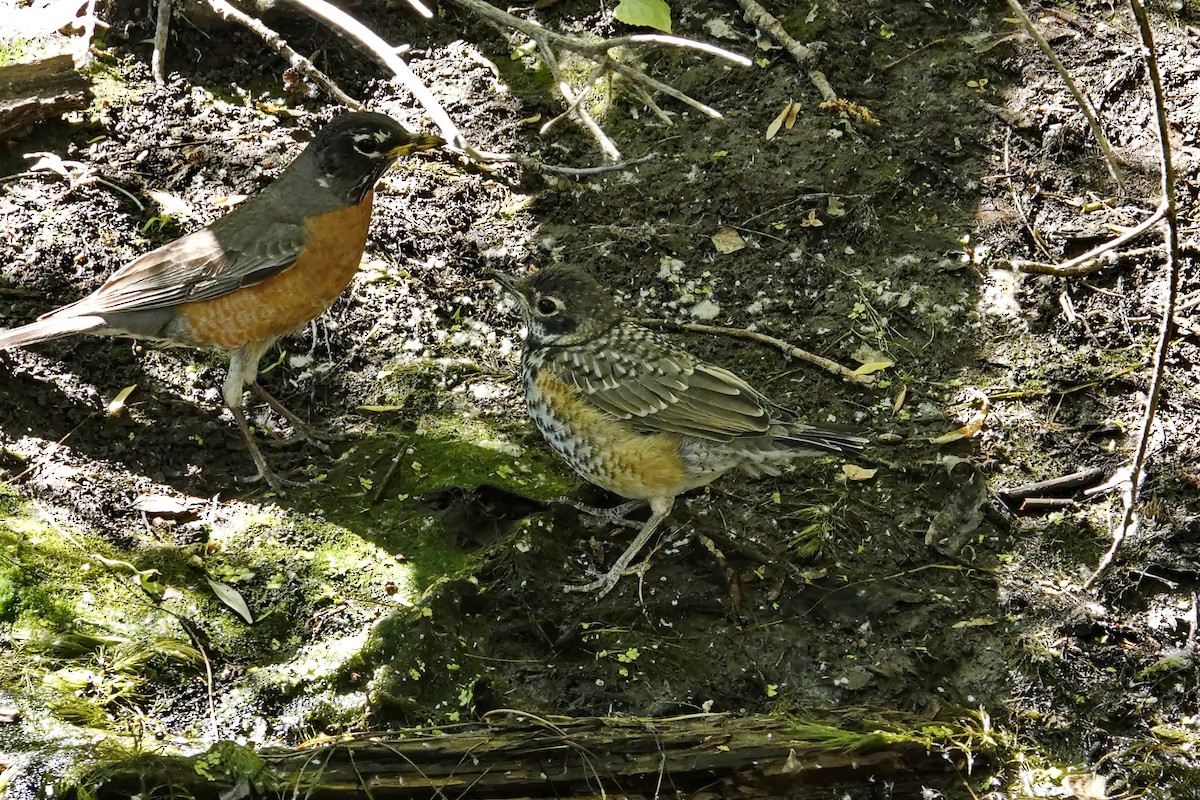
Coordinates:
x,y
421,141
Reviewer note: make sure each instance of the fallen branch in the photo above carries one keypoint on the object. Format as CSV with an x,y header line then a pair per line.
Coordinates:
x,y
1171,248
762,338
1110,158
762,19
280,46
1081,265
37,90
521,754
600,53
360,34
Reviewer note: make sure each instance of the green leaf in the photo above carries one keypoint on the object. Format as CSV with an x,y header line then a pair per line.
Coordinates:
x,y
651,13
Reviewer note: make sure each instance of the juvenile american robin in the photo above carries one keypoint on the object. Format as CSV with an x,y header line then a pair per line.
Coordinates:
x,y
638,416
263,270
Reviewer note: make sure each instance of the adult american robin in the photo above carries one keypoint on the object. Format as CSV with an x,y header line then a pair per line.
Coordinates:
x,y
636,415
262,271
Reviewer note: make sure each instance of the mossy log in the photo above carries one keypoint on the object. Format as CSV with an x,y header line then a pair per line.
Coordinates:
x,y
36,90
700,756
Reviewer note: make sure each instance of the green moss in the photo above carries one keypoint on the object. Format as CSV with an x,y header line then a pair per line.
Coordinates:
x,y
109,86
12,51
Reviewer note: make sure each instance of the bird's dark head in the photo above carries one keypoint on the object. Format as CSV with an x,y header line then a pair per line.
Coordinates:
x,y
353,151
561,305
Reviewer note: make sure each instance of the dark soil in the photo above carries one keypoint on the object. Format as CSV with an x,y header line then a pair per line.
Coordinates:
x,y
915,592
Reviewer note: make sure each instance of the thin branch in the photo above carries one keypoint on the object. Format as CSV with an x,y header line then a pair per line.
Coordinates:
x,y
1110,158
1171,248
1081,265
762,19
579,172
280,46
599,51
637,76
159,56
587,47
585,118
762,338
354,30
1020,209
597,73
421,8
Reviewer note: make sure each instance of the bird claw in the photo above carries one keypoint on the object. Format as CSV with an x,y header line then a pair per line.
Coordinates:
x,y
605,583
602,516
275,481
317,441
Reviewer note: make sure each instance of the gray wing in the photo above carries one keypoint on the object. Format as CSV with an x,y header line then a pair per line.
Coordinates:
x,y
208,263
662,389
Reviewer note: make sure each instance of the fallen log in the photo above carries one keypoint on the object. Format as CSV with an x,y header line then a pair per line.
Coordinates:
x,y
525,756
37,90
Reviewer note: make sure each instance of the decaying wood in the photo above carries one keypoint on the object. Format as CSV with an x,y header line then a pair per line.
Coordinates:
x,y
37,90
518,755
1062,486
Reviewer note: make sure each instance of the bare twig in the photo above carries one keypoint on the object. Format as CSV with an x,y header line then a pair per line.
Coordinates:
x,y
162,28
1081,265
1110,158
597,47
1171,248
1017,205
762,338
762,19
585,118
599,51
579,172
421,8
354,30
280,46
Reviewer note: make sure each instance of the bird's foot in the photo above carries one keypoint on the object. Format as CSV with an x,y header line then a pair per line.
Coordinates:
x,y
614,515
277,482
301,430
602,585
302,433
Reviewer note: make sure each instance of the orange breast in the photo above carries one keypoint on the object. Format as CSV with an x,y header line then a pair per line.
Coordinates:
x,y
605,450
283,303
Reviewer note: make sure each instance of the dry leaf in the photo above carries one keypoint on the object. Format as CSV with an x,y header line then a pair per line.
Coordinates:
x,y
792,111
836,208
898,403
811,221
380,408
775,125
973,426
727,240
160,505
232,598
172,204
117,404
230,200
857,473
872,367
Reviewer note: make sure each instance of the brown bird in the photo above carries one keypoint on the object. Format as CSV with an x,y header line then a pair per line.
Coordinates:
x,y
638,416
260,272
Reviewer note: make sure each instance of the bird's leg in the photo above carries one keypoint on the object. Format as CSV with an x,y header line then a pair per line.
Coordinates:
x,y
302,428
615,515
265,473
605,583
243,362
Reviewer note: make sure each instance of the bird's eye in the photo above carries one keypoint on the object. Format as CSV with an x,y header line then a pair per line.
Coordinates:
x,y
547,307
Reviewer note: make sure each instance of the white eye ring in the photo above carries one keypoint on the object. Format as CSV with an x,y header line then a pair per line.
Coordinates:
x,y
548,306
